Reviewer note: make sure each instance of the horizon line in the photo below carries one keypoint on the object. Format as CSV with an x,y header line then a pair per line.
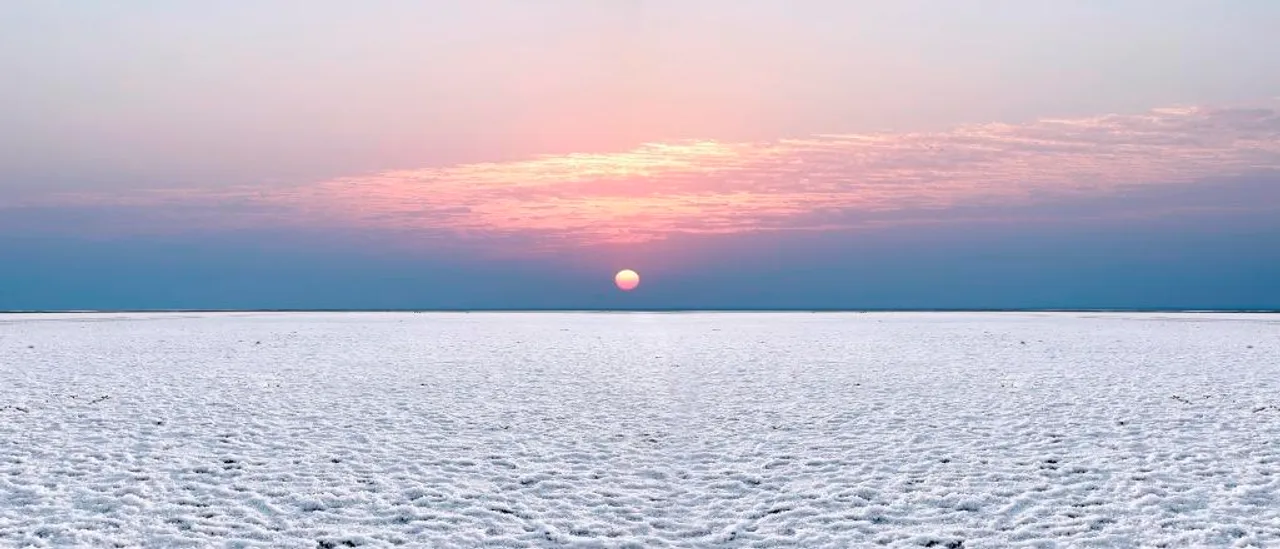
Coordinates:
x,y
666,310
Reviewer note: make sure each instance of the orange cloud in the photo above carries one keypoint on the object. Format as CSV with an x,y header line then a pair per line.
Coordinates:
x,y
658,190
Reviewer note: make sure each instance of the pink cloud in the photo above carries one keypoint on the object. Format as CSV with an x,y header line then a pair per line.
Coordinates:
x,y
659,190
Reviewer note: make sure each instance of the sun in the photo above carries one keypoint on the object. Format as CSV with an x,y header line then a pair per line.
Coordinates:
x,y
626,280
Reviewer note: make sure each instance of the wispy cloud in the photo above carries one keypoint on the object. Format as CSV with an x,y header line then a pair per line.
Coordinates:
x,y
821,182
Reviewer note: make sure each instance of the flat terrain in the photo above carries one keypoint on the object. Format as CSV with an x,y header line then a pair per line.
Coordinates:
x,y
640,430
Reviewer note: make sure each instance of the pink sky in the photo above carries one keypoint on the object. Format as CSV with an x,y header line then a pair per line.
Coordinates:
x,y
815,140
700,187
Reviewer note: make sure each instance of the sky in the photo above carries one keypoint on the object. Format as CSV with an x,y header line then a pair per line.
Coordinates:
x,y
738,154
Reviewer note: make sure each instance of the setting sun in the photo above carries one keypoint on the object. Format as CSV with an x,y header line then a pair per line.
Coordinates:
x,y
626,280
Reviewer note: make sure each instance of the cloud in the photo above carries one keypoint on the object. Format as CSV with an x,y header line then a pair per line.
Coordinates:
x,y
822,182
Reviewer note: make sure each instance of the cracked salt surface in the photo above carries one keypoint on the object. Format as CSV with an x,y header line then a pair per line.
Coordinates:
x,y
938,430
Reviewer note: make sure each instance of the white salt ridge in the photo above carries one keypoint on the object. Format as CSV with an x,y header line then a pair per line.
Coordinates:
x,y
640,430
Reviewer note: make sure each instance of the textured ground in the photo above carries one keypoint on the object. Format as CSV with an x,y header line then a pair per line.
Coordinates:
x,y
640,430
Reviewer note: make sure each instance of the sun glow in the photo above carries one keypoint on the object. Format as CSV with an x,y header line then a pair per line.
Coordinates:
x,y
626,280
